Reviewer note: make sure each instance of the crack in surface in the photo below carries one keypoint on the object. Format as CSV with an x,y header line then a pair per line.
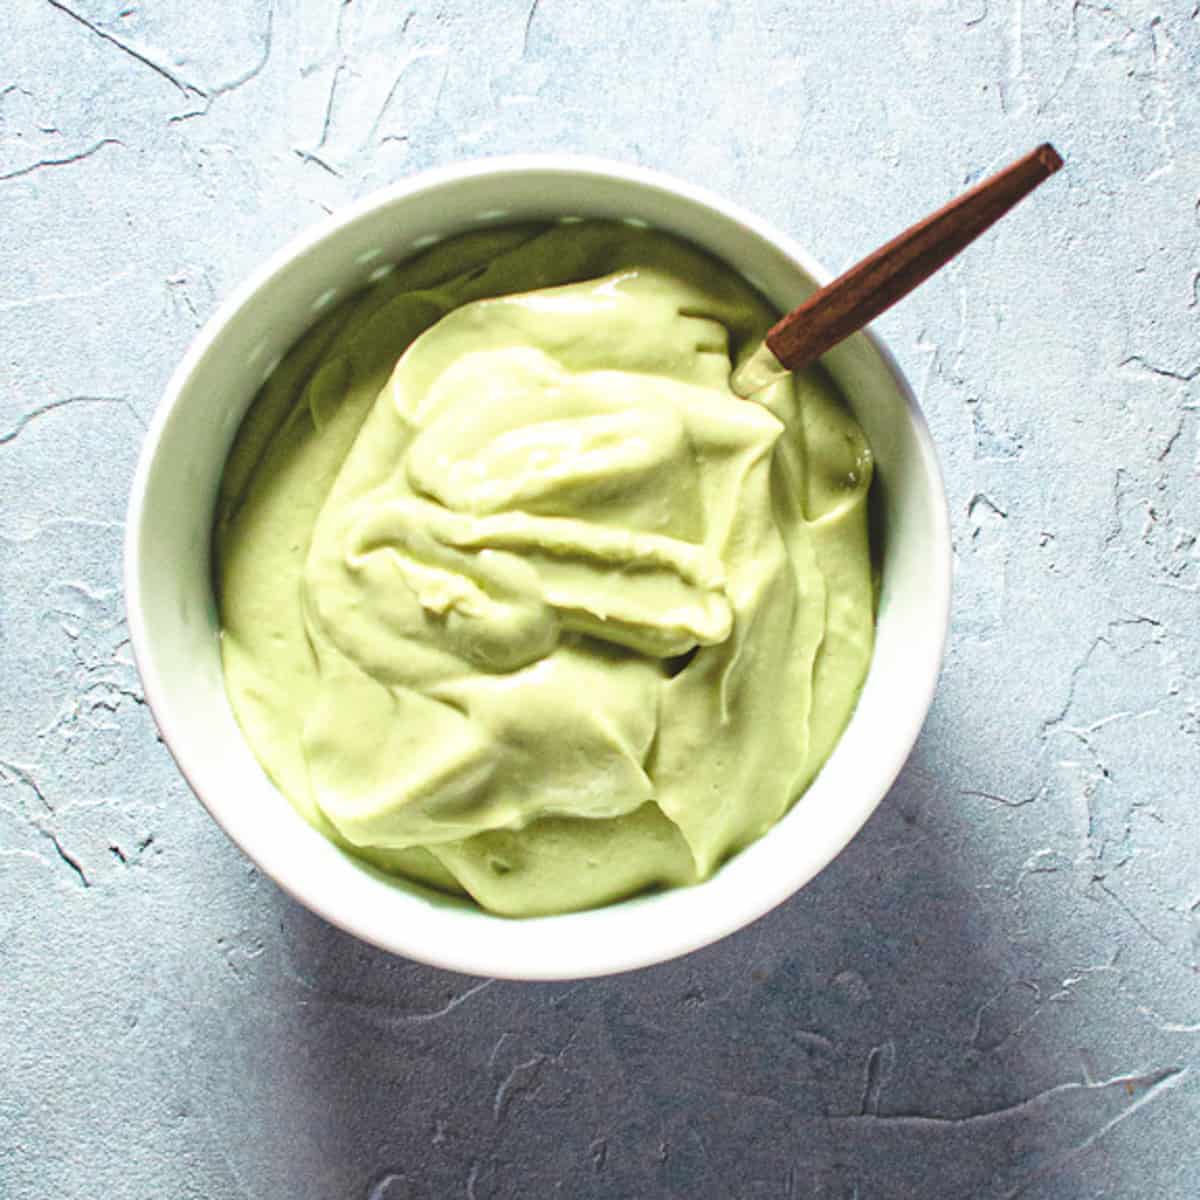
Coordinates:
x,y
63,297
1148,1084
46,163
971,22
24,422
23,776
1099,882
142,56
1151,1085
328,118
10,771
1058,719
1136,360
69,859
1004,800
431,55
1170,442
257,69
529,16
449,1007
982,498
524,1077
309,156
367,1010
880,1062
232,85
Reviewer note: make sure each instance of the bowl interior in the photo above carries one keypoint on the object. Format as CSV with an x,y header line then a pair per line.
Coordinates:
x,y
173,616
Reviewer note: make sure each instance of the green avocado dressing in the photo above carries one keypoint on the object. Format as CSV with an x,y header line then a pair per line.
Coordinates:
x,y
517,598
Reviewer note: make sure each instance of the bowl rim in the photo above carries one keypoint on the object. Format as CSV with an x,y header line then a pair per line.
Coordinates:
x,y
493,961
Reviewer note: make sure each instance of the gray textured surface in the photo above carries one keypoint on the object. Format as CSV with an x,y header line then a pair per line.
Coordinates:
x,y
994,992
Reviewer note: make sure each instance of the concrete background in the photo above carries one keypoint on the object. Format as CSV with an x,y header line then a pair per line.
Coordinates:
x,y
994,992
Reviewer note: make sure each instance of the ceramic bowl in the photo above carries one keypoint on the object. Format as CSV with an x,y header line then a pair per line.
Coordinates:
x,y
173,617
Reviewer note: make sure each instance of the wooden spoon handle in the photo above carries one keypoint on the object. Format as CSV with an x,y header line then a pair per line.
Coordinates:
x,y
875,284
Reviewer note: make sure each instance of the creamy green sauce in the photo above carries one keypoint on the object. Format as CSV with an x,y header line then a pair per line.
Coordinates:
x,y
517,598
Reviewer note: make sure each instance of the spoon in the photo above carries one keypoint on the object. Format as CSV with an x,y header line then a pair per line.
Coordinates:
x,y
872,286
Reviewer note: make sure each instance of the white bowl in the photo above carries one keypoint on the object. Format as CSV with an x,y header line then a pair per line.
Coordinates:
x,y
173,616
